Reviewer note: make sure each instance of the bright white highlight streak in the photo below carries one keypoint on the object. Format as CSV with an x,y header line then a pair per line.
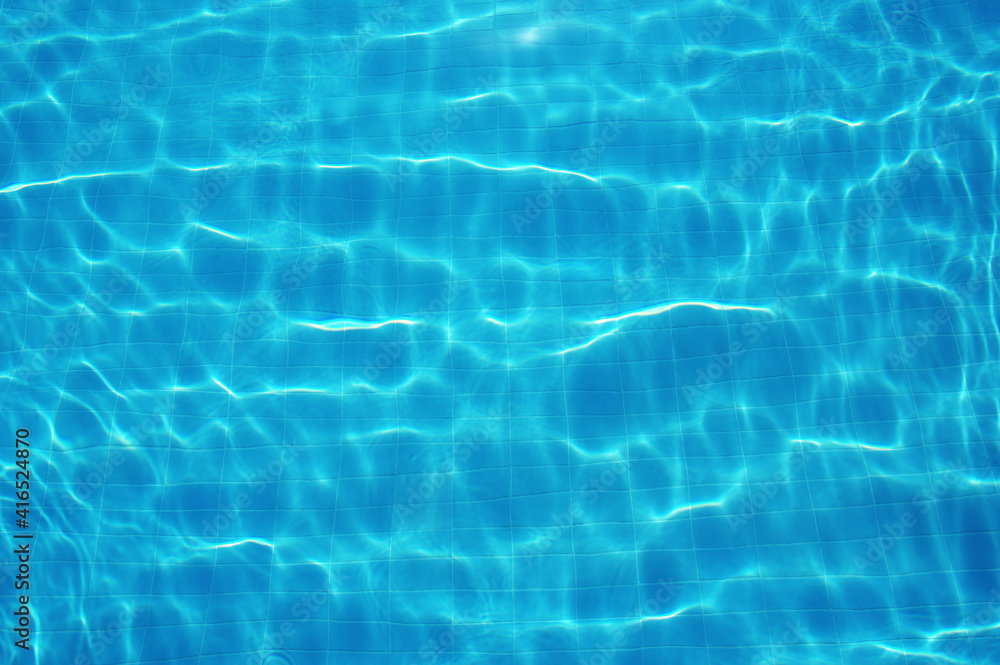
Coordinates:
x,y
339,325
23,185
523,167
263,543
659,309
586,344
219,231
219,383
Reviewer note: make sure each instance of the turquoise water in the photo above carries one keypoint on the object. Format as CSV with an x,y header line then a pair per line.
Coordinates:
x,y
557,333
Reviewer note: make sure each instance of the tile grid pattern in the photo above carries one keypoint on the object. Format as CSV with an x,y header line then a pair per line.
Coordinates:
x,y
443,574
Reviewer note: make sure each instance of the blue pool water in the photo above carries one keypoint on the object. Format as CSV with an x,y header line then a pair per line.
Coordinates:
x,y
562,332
